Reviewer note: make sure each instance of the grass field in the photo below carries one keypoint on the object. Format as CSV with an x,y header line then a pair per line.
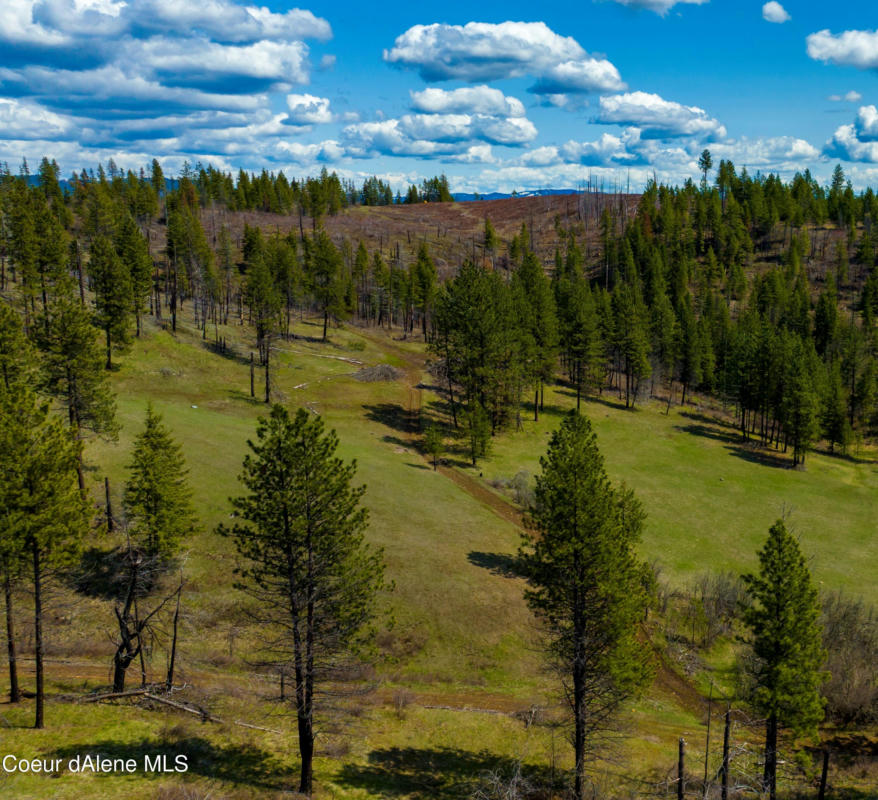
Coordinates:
x,y
710,499
461,657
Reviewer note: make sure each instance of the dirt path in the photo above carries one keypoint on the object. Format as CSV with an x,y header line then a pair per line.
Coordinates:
x,y
667,679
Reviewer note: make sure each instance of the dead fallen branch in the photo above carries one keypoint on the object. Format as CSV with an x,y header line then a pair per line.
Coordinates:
x,y
197,710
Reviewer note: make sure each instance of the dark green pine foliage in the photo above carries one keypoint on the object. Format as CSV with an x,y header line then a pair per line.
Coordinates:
x,y
16,360
478,339
16,369
586,583
324,272
538,320
631,340
52,258
787,651
133,250
434,444
43,516
833,412
799,406
424,285
314,579
664,337
581,334
111,282
265,303
23,246
157,497
73,368
688,349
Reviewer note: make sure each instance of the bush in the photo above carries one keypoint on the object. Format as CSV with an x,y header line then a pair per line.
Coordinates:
x,y
850,636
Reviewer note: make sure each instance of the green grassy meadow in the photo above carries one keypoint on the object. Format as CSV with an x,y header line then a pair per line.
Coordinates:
x,y
710,499
462,654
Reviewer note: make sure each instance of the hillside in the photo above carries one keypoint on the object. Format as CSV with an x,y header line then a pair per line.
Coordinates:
x,y
456,690
462,638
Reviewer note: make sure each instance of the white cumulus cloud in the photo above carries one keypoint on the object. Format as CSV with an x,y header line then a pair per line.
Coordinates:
x,y
851,48
307,109
657,117
775,12
776,153
482,51
867,123
857,141
474,99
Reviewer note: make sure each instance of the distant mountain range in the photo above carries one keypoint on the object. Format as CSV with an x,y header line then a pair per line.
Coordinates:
x,y
465,197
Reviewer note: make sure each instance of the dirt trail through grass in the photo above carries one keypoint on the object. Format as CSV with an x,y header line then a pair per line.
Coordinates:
x,y
415,364
667,679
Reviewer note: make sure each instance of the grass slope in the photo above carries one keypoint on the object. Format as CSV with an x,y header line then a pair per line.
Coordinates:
x,y
461,655
710,499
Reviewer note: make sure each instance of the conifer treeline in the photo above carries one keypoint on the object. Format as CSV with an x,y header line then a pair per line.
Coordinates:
x,y
743,290
758,292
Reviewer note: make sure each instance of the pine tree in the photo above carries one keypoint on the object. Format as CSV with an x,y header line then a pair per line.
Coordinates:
x,y
133,250
424,279
705,163
833,417
73,370
157,498
44,517
491,239
324,265
630,340
586,583
111,282
785,635
540,320
313,576
265,305
799,404
433,444
15,373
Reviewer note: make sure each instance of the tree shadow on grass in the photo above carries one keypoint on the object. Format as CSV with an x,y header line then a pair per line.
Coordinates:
x,y
697,416
748,451
394,416
506,565
593,399
230,353
242,396
756,455
427,773
708,432
242,764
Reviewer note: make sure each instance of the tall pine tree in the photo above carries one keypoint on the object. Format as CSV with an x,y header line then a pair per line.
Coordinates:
x,y
586,583
784,631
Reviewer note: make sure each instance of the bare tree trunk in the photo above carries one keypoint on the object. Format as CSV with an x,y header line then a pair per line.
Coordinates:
x,y
38,635
14,691
725,769
267,373
109,505
681,770
824,774
769,774
170,681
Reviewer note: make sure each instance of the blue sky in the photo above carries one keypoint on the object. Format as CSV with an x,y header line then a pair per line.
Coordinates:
x,y
498,96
